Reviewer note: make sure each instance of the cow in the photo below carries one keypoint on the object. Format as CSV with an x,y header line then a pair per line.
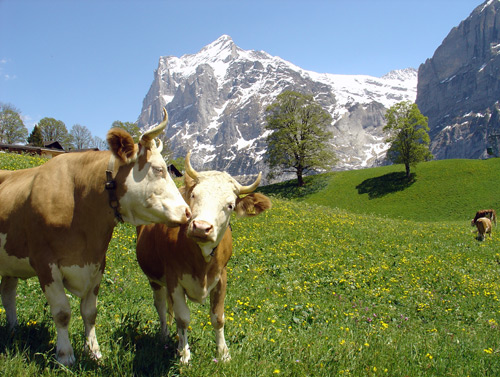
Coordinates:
x,y
56,221
483,225
489,213
190,260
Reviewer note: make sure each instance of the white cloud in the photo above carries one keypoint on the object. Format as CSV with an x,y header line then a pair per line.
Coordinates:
x,y
5,76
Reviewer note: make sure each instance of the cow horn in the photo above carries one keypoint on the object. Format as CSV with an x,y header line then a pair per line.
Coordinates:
x,y
252,187
189,169
154,132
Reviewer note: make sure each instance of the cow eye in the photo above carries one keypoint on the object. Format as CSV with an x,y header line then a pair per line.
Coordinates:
x,y
158,170
230,206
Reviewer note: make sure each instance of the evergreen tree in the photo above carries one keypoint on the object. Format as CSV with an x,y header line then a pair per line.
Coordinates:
x,y
35,137
299,141
408,135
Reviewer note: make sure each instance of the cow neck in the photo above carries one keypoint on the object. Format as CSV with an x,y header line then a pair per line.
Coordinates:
x,y
110,186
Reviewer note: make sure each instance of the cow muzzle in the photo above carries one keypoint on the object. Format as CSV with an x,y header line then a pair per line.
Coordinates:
x,y
201,230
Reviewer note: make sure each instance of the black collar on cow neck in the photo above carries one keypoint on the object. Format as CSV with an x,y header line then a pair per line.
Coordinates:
x,y
110,186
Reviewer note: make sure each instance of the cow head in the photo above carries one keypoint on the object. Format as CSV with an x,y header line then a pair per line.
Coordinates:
x,y
146,192
213,196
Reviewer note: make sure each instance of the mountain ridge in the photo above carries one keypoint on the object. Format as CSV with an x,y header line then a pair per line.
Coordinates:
x,y
459,86
216,99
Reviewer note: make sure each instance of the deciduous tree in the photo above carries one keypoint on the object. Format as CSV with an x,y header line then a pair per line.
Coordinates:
x,y
81,136
12,129
55,130
130,127
408,135
299,139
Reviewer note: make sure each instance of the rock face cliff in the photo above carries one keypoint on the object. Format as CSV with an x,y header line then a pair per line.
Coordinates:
x,y
216,100
459,87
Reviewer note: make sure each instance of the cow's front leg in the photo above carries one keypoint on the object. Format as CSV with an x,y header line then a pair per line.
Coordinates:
x,y
8,289
182,319
61,313
88,309
217,297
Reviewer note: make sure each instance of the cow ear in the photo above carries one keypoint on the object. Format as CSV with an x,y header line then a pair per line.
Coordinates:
x,y
122,145
252,204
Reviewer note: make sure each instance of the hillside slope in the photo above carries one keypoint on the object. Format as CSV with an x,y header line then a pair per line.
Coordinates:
x,y
449,190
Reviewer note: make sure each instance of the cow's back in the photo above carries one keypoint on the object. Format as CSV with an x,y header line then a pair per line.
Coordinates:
x,y
15,189
49,206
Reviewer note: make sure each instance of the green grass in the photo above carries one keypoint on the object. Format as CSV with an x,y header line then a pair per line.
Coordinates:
x,y
439,190
313,291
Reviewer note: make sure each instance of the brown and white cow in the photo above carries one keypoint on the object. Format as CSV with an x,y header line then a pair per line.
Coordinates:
x,y
483,225
191,260
56,221
489,213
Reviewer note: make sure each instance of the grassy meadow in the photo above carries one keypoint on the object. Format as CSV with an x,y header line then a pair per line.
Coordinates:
x,y
357,274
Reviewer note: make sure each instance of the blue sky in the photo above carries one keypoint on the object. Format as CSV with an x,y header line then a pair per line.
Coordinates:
x,y
91,62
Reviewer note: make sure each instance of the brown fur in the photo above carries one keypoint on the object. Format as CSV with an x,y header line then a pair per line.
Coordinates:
x,y
57,215
122,143
483,225
167,254
489,213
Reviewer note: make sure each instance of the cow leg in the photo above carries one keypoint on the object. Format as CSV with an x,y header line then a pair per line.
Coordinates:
x,y
88,309
182,319
217,296
61,313
8,289
160,301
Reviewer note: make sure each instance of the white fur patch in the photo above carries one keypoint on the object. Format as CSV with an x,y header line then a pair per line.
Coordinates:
x,y
194,289
151,195
80,280
11,265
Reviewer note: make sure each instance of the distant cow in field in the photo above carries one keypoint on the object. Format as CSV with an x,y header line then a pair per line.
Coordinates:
x,y
56,221
191,260
483,225
489,213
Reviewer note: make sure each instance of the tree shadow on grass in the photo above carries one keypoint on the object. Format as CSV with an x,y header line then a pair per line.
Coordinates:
x,y
290,190
378,187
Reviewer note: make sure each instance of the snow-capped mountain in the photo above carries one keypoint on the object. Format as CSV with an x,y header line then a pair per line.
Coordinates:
x,y
216,100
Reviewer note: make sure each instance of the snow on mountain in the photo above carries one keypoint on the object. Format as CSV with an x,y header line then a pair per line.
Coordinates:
x,y
216,100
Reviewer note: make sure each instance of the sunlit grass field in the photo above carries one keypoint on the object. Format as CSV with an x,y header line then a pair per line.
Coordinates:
x,y
313,291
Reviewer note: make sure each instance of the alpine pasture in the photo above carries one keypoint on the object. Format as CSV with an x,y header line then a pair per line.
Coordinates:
x,y
359,273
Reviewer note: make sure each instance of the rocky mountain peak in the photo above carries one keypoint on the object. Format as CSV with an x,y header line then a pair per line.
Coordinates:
x,y
222,49
459,87
217,97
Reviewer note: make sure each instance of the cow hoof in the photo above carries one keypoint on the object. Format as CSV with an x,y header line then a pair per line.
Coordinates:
x,y
226,358
95,355
185,356
66,360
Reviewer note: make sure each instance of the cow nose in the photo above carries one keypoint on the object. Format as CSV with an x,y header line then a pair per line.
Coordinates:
x,y
201,227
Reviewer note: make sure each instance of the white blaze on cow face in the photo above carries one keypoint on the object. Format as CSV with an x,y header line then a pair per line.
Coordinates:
x,y
212,196
151,195
212,200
